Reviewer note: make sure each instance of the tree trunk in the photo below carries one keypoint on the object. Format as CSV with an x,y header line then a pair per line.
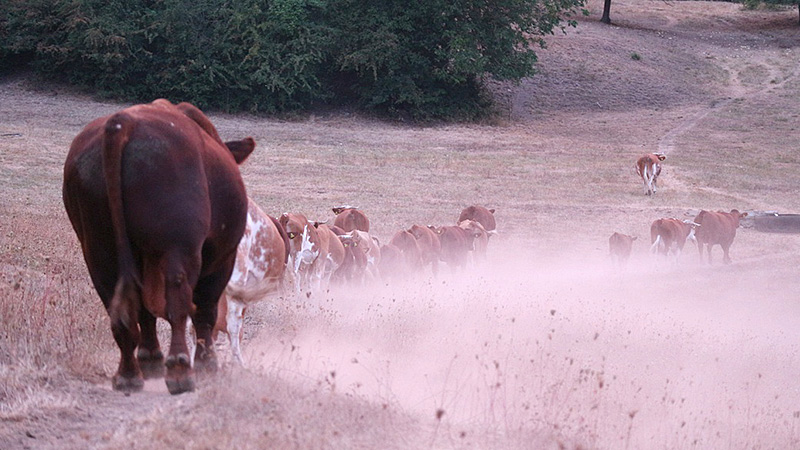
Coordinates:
x,y
606,12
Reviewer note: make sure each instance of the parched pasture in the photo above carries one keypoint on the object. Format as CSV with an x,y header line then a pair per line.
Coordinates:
x,y
546,344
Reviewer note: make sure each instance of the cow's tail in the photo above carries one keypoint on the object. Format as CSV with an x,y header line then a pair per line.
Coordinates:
x,y
115,138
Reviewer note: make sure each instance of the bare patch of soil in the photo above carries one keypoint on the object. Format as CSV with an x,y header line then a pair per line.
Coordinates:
x,y
546,345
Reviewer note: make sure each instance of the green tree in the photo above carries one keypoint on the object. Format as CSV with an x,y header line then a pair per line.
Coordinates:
x,y
431,57
424,59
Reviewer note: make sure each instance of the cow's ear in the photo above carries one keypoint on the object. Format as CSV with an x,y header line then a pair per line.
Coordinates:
x,y
743,215
241,149
491,210
661,157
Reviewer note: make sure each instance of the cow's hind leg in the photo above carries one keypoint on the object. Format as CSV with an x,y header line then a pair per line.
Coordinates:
x,y
725,257
149,354
206,296
235,319
124,311
178,293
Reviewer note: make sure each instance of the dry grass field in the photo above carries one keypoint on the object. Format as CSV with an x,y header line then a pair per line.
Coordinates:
x,y
546,345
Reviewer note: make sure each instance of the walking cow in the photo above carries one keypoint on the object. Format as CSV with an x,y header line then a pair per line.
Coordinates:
x,y
158,204
649,168
717,228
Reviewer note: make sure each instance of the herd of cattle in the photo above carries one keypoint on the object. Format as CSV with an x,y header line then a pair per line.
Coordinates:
x,y
292,252
668,236
167,231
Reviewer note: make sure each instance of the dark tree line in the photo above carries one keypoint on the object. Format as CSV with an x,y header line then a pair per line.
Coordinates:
x,y
424,59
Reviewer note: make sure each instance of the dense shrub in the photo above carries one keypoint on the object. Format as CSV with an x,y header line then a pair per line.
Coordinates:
x,y
424,59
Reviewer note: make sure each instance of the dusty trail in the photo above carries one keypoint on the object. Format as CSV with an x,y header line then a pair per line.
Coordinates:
x,y
546,346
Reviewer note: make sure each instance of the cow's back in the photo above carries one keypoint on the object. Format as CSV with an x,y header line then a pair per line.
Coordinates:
x,y
479,214
351,219
716,227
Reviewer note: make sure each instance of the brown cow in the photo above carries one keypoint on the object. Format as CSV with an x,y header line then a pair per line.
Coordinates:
x,y
362,241
354,263
304,250
648,167
350,218
619,247
717,228
456,243
394,264
259,272
409,248
480,238
481,215
158,204
429,245
668,236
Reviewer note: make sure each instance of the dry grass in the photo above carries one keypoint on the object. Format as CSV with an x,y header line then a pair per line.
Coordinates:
x,y
545,346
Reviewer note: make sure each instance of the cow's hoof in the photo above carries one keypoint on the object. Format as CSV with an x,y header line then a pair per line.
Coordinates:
x,y
179,385
205,359
127,384
151,363
179,377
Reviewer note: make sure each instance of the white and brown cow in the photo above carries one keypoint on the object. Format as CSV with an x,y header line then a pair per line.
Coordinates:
x,y
304,250
364,242
648,167
259,273
480,238
481,215
620,247
331,253
717,228
668,236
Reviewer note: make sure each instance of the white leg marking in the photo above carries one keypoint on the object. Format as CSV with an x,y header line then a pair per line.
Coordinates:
x,y
235,319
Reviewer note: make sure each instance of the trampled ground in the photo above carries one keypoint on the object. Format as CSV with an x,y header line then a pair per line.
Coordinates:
x,y
546,344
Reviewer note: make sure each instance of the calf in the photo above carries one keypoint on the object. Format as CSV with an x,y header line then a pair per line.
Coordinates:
x,y
717,228
668,236
619,247
259,272
304,250
648,167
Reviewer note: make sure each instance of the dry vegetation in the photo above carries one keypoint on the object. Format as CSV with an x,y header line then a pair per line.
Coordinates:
x,y
545,346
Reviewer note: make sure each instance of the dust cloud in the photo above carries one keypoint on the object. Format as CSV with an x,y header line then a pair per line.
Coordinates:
x,y
660,354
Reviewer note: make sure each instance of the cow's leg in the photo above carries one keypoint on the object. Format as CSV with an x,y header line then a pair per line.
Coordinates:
x,y
179,275
207,294
725,257
151,359
124,311
235,317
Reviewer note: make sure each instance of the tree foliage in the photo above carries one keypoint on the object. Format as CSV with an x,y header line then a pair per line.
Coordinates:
x,y
421,58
